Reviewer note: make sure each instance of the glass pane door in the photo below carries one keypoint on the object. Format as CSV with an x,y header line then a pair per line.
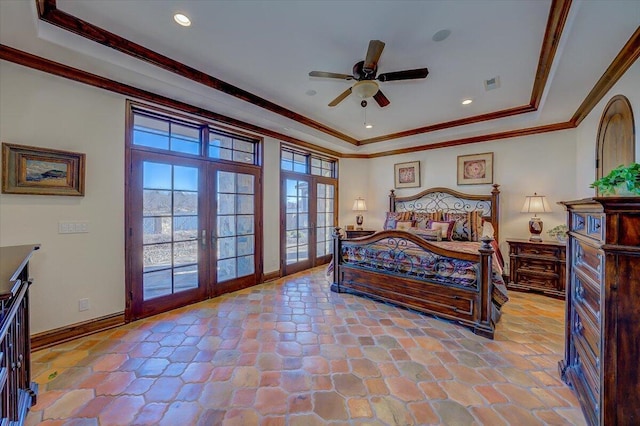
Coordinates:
x,y
297,229
235,231
325,214
167,219
170,229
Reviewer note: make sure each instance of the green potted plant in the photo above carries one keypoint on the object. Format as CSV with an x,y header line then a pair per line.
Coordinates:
x,y
622,181
559,232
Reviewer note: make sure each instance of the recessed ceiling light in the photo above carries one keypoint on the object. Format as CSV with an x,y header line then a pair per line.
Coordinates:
x,y
441,35
368,126
311,92
182,19
467,101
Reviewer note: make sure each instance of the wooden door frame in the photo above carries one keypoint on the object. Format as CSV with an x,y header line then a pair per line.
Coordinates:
x,y
313,181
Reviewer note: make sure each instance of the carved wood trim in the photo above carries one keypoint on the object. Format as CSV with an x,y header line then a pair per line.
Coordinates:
x,y
622,62
41,64
54,16
616,127
64,334
555,25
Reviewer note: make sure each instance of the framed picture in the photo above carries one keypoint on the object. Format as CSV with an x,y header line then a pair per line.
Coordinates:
x,y
407,175
476,169
41,171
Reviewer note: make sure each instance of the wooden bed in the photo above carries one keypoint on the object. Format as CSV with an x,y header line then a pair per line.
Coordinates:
x,y
455,281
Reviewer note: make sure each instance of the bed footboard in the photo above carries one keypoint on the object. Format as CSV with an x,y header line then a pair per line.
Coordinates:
x,y
403,269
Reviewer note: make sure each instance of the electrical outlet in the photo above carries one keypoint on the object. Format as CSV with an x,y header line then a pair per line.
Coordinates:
x,y
83,305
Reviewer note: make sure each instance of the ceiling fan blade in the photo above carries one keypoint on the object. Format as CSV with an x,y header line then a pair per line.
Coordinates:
x,y
373,55
381,99
330,75
404,75
340,97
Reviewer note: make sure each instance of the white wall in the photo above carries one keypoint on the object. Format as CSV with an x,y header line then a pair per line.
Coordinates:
x,y
353,175
543,163
629,86
39,109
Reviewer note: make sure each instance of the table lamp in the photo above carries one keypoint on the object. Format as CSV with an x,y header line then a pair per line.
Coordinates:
x,y
535,204
359,206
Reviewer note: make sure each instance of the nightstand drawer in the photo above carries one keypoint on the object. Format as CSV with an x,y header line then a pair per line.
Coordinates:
x,y
536,264
357,233
536,280
552,252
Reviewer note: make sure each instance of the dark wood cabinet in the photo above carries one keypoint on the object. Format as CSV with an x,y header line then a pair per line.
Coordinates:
x,y
17,392
602,348
357,233
537,266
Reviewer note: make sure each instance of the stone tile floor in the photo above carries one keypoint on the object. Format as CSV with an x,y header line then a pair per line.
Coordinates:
x,y
290,352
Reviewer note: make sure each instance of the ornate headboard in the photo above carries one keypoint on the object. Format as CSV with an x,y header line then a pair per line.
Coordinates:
x,y
450,201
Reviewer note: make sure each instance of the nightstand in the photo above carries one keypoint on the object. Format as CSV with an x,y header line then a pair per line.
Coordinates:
x,y
537,267
359,233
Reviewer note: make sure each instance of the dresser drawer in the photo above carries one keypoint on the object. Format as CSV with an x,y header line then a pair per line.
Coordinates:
x,y
587,259
589,224
583,328
586,294
551,252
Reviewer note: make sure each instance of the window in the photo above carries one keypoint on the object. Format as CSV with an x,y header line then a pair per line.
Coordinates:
x,y
159,132
303,162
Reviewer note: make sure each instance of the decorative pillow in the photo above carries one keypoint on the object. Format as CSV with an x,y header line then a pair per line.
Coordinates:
x,y
404,225
393,217
446,227
427,234
421,219
487,229
468,225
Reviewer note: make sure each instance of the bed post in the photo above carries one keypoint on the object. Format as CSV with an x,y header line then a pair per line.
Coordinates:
x,y
392,200
335,285
485,325
495,212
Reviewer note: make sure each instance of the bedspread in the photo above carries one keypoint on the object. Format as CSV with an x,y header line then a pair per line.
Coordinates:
x,y
397,256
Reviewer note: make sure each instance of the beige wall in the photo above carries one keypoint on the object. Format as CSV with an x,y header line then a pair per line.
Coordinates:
x,y
629,86
39,109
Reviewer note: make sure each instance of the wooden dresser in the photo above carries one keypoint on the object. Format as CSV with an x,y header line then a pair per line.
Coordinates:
x,y
357,233
17,392
602,348
537,266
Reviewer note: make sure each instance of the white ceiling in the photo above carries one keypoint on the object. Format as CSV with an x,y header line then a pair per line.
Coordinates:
x,y
269,47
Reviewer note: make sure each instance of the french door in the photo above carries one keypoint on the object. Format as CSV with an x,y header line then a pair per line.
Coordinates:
x,y
308,215
191,231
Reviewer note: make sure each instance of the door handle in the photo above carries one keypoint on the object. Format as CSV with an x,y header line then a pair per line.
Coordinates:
x,y
213,240
204,239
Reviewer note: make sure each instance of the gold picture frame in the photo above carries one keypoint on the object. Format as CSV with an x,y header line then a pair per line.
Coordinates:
x,y
407,175
41,171
475,169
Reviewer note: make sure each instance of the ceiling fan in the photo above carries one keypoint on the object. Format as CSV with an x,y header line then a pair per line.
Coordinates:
x,y
364,72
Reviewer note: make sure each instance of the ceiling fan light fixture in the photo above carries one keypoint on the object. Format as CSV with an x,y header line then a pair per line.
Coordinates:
x,y
365,88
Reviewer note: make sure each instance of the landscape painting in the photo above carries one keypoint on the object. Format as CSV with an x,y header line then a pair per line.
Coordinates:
x,y
41,171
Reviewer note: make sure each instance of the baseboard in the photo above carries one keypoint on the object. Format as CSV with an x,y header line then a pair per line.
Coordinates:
x,y
270,276
64,334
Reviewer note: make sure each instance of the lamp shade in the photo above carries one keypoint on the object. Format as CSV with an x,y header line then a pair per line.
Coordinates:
x,y
359,205
535,204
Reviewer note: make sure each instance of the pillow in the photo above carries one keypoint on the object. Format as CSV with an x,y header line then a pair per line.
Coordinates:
x,y
393,217
487,229
468,225
446,227
427,234
404,225
421,219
